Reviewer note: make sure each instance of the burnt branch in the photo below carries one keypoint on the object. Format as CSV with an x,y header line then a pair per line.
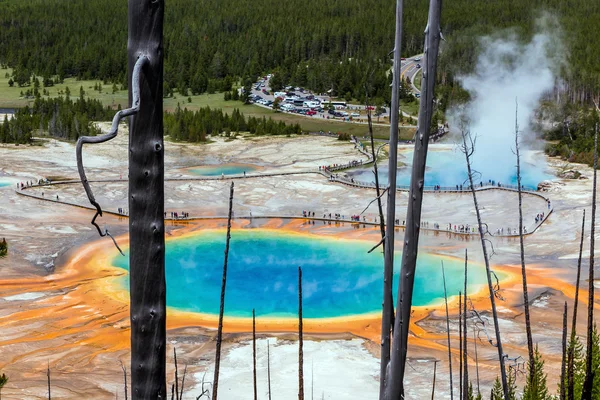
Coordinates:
x,y
112,133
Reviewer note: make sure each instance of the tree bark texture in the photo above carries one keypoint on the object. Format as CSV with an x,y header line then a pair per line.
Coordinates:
x,y
395,373
215,385
388,269
146,204
464,330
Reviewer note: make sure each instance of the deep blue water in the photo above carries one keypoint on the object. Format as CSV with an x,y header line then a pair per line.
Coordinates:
x,y
339,277
222,169
448,168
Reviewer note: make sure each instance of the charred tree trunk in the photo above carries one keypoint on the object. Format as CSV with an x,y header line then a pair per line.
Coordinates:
x,y
476,363
523,269
571,356
434,373
589,372
468,150
388,250
124,379
564,357
395,373
176,373
448,332
48,375
146,205
183,382
222,306
460,349
254,352
464,330
300,341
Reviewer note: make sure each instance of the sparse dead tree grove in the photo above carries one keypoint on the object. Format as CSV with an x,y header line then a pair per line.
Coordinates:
x,y
392,372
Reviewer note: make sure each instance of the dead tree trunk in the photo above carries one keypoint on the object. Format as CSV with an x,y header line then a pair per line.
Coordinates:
x,y
460,349
388,269
589,372
395,373
448,332
476,363
48,375
183,382
300,342
124,379
564,357
222,306
468,150
254,352
176,373
570,365
146,204
434,373
523,269
269,368
464,330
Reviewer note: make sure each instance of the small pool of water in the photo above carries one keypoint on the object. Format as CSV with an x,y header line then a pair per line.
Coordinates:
x,y
5,183
448,168
222,169
339,277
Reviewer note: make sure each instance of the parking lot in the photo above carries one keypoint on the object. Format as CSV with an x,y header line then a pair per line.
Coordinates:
x,y
300,101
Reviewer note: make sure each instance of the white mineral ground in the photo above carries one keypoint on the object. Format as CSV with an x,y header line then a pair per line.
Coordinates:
x,y
42,234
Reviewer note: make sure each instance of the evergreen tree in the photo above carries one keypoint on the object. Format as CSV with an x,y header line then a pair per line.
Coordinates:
x,y
536,387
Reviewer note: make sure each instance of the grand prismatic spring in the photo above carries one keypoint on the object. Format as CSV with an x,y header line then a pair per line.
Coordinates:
x,y
340,277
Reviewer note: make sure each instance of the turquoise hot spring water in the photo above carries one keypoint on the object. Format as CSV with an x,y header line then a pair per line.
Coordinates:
x,y
339,277
222,169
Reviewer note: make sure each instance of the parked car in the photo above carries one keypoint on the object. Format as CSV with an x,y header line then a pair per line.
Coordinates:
x,y
418,65
311,112
355,114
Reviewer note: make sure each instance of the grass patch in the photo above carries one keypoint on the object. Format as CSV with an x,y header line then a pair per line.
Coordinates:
x,y
411,107
10,97
418,77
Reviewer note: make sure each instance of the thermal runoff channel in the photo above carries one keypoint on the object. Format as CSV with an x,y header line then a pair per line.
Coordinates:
x,y
339,277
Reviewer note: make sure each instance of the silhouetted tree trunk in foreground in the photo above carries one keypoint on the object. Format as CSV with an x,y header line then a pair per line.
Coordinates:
x,y
146,204
531,363
300,342
182,382
464,331
385,375
448,332
476,363
571,356
254,352
48,375
394,380
222,306
468,150
434,373
564,356
589,372
460,348
176,373
124,379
